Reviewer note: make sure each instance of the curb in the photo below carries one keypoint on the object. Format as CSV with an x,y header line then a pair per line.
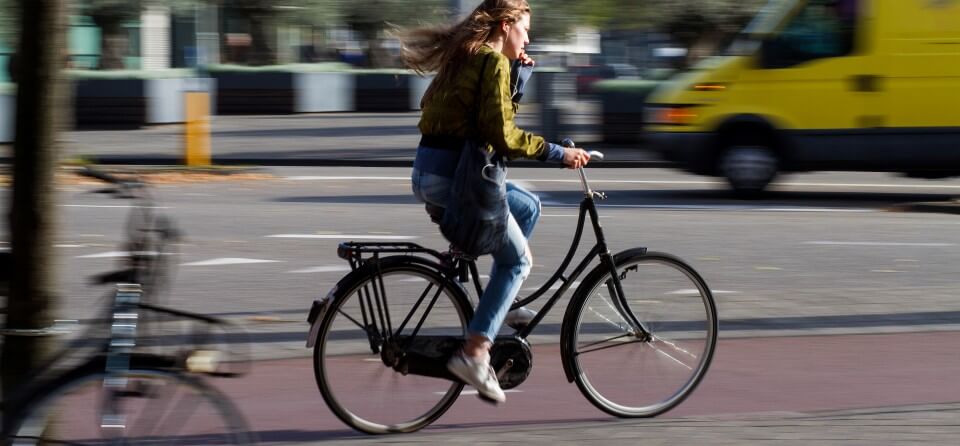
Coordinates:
x,y
938,207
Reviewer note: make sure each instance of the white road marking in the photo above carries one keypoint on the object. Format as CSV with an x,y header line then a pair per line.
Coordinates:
x,y
344,236
69,246
115,254
116,206
322,269
838,243
228,261
696,292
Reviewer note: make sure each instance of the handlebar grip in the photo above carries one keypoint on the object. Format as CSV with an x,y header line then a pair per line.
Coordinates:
x,y
594,155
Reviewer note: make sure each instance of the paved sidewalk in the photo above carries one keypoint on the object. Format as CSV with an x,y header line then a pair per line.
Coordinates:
x,y
928,425
322,139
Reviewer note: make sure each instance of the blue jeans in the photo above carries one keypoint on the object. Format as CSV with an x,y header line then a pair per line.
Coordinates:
x,y
511,264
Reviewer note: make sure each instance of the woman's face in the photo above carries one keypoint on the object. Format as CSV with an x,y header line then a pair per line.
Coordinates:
x,y
517,37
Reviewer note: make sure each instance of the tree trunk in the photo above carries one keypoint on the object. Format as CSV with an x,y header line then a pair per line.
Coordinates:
x,y
262,50
113,43
40,93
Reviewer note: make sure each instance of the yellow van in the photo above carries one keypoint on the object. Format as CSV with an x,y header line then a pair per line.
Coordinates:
x,y
861,85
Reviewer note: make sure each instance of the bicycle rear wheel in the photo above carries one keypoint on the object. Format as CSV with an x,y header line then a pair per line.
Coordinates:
x,y
623,372
357,343
135,406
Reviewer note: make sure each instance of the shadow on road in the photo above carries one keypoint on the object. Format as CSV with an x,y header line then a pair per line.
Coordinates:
x,y
679,199
727,199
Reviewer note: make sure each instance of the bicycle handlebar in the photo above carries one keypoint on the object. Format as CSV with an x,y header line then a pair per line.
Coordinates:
x,y
594,154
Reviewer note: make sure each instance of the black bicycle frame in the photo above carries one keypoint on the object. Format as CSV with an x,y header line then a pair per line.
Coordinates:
x,y
587,206
373,301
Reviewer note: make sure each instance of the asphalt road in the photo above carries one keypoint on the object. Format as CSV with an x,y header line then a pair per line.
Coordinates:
x,y
828,299
822,252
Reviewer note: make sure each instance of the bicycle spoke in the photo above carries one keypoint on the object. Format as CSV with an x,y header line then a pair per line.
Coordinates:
x,y
620,344
355,322
180,414
151,420
675,346
671,357
160,407
617,325
367,392
608,353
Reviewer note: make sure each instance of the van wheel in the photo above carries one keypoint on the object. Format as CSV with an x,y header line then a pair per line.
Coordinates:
x,y
748,168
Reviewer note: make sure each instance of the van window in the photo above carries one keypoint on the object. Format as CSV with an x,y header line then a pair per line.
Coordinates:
x,y
821,29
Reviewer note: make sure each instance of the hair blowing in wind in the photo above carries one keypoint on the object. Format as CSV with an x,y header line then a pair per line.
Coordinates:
x,y
443,49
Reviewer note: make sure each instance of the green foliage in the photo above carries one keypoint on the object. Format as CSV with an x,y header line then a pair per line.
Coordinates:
x,y
374,15
8,23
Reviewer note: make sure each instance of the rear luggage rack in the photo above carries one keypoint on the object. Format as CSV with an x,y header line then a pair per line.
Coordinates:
x,y
358,253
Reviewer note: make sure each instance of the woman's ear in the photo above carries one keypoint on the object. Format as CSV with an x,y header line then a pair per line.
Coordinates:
x,y
504,26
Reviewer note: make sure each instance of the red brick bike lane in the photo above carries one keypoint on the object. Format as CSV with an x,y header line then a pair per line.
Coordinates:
x,y
763,375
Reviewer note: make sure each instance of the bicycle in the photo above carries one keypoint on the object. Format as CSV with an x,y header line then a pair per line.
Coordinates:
x,y
123,393
637,336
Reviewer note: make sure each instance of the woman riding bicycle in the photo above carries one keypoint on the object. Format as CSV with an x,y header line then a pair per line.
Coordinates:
x,y
477,53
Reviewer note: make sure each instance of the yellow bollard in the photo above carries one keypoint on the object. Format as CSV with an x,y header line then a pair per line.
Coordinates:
x,y
197,129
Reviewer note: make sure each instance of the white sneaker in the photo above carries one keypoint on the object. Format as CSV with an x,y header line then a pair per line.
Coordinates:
x,y
519,318
478,373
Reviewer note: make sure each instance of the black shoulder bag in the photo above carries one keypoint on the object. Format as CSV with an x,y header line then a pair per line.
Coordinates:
x,y
476,215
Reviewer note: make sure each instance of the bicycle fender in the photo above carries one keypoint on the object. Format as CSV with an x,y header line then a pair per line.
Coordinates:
x,y
569,319
315,317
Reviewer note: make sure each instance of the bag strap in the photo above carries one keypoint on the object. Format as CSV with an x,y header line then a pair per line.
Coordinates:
x,y
483,69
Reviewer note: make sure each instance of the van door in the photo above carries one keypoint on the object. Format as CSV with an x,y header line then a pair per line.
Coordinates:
x,y
921,41
818,78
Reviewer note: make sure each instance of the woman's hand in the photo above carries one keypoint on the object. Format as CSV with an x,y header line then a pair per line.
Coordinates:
x,y
526,59
575,158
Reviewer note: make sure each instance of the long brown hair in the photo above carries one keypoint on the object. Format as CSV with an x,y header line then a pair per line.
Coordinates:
x,y
444,49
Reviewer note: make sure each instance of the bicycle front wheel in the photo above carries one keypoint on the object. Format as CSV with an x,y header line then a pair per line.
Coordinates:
x,y
375,311
135,406
629,373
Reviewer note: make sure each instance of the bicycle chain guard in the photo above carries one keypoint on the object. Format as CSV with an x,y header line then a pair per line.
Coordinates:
x,y
510,356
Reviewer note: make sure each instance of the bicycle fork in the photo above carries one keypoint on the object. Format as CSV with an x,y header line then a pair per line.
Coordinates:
x,y
615,287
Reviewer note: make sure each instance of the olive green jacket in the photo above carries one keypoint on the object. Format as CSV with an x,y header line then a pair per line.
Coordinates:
x,y
452,110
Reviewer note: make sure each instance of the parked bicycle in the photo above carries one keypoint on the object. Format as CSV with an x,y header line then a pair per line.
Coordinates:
x,y
637,336
135,386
